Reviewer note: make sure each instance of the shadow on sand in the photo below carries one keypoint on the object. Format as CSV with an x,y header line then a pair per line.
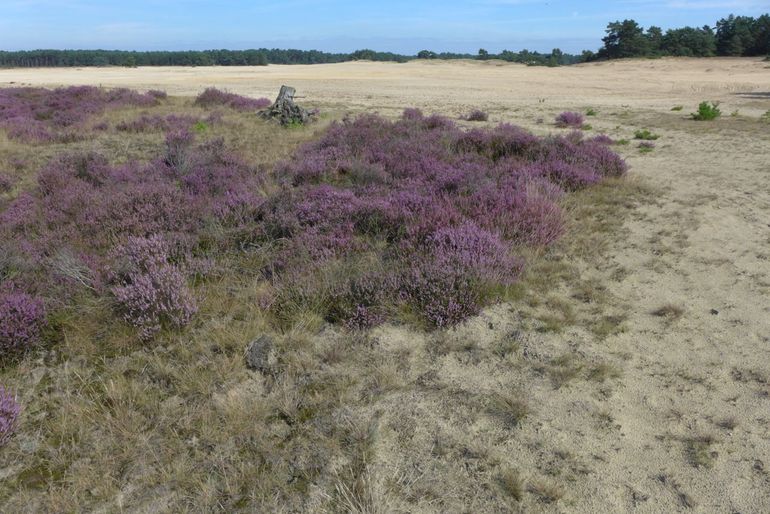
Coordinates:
x,y
757,95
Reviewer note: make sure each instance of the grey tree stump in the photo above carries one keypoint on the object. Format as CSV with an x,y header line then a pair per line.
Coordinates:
x,y
285,110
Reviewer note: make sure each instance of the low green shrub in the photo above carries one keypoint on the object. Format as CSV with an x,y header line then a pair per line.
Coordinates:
x,y
707,112
645,135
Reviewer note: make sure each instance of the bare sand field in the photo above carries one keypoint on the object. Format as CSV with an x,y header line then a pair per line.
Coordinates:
x,y
737,82
685,424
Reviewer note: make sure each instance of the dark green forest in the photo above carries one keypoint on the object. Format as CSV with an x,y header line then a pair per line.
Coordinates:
x,y
732,36
738,36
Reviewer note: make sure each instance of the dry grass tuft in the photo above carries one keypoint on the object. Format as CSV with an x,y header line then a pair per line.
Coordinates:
x,y
546,492
511,483
509,408
669,311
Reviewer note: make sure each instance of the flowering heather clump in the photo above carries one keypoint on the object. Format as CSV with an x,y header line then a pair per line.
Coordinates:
x,y
61,238
412,114
37,115
213,97
476,252
442,205
570,119
477,115
603,139
150,291
9,415
22,318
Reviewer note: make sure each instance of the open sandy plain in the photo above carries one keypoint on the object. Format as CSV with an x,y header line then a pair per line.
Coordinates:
x,y
683,423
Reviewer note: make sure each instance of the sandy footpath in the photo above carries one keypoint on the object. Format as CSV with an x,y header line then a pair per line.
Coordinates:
x,y
689,418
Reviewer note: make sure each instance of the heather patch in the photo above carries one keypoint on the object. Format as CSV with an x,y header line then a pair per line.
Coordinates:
x,y
444,212
133,232
376,219
38,115
22,317
213,97
569,119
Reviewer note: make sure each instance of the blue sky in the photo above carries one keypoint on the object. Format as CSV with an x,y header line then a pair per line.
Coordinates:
x,y
342,25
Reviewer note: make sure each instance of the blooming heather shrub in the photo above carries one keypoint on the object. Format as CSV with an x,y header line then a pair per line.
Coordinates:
x,y
477,115
476,252
9,415
570,119
602,139
213,97
22,318
61,238
442,205
37,115
412,113
150,291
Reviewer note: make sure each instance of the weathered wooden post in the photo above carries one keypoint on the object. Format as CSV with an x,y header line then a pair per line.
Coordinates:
x,y
285,111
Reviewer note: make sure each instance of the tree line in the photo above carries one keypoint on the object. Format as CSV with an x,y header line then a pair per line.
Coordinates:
x,y
255,57
732,36
740,36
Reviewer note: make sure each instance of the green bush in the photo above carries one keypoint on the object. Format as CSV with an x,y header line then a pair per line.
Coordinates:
x,y
707,111
645,135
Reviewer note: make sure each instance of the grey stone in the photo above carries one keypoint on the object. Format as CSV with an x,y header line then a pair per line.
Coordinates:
x,y
258,354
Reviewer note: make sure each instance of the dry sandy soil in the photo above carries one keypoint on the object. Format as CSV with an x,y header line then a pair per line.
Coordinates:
x,y
685,424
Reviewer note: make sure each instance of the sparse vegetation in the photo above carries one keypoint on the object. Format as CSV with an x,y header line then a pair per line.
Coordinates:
x,y
645,135
677,108
476,115
699,451
669,311
9,415
646,146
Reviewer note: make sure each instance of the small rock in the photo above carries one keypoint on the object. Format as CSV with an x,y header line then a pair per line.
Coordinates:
x,y
714,312
258,354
